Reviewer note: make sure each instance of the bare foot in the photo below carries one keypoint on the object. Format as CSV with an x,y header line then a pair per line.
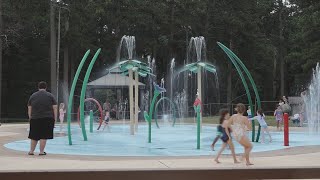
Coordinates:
x,y
237,162
212,148
249,164
217,161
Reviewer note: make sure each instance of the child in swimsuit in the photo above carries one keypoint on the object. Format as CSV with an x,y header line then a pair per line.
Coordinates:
x,y
218,136
278,113
225,130
260,117
240,125
62,111
106,120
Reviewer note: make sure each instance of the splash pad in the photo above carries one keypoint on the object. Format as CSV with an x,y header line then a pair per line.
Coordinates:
x,y
176,141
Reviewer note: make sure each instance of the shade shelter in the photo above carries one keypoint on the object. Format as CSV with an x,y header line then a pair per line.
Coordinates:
x,y
114,80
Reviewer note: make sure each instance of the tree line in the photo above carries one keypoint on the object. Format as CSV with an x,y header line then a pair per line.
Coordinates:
x,y
278,40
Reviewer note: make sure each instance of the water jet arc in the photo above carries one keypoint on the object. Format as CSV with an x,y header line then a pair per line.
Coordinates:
x,y
174,105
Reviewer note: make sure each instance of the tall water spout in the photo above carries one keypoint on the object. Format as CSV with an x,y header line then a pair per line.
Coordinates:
x,y
312,102
172,66
152,66
126,49
197,50
162,95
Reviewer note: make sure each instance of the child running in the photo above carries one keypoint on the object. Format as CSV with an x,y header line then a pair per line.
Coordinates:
x,y
106,120
260,117
240,125
278,113
218,136
225,130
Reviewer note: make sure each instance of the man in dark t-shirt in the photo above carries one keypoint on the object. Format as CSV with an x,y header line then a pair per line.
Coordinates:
x,y
42,111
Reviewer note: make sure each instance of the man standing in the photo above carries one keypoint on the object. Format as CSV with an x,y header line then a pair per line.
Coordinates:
x,y
42,111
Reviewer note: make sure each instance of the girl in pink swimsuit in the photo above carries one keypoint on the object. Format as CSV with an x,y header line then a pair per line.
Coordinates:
x,y
278,113
62,111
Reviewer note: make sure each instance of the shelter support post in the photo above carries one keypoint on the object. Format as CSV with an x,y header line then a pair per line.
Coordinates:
x,y
200,93
136,100
131,102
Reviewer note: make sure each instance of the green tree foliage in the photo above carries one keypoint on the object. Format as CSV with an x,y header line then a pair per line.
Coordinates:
x,y
162,30
304,41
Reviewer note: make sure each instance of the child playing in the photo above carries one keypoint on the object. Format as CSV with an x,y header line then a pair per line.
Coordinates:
x,y
106,120
278,113
260,117
296,119
62,111
225,130
249,112
218,136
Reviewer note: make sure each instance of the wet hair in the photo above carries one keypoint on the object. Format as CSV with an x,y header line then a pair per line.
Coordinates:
x,y
260,111
223,113
42,85
241,108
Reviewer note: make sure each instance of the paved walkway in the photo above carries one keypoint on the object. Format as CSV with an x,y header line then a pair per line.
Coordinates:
x,y
19,161
49,163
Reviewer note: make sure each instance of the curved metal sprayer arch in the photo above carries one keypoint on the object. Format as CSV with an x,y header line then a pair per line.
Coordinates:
x,y
73,86
174,110
83,93
233,56
253,84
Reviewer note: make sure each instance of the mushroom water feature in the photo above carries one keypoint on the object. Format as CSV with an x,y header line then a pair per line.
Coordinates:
x,y
197,52
130,66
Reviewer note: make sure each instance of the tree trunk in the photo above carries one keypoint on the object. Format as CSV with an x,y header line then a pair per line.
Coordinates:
x,y
53,46
275,75
66,66
171,46
207,23
171,43
186,76
118,15
1,25
72,64
65,87
281,53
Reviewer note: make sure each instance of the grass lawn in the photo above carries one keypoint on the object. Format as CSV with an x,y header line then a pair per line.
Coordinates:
x,y
215,120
